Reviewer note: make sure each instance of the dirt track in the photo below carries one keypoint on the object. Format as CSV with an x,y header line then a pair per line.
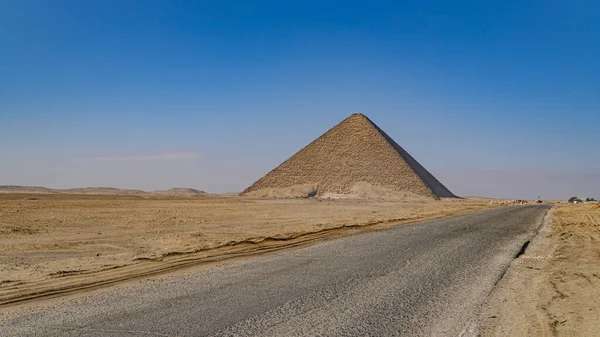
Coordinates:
x,y
61,241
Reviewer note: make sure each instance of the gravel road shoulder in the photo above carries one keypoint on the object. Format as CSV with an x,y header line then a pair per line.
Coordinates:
x,y
554,288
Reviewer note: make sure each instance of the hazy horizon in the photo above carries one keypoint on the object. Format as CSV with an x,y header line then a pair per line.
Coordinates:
x,y
494,99
519,185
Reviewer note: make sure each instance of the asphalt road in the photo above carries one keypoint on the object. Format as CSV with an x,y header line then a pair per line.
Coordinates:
x,y
423,279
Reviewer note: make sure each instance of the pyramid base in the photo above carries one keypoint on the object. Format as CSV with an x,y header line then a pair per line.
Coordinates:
x,y
291,192
359,190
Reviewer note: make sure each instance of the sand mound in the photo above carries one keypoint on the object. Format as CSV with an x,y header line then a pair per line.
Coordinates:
x,y
296,191
354,158
363,190
360,190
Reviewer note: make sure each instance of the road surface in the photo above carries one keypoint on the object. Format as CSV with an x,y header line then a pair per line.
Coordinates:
x,y
422,279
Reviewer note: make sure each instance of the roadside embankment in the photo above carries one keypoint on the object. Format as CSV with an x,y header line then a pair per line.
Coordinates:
x,y
554,288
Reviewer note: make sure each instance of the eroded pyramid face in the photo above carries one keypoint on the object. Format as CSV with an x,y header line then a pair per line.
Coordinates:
x,y
353,159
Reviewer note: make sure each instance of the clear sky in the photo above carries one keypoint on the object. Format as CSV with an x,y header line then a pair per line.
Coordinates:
x,y
495,98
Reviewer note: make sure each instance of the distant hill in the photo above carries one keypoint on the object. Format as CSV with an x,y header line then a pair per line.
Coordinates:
x,y
24,189
178,191
188,192
101,191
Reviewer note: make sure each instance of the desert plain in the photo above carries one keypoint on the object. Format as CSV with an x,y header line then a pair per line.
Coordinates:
x,y
54,242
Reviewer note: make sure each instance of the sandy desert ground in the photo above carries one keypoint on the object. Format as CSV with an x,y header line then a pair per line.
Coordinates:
x,y
56,241
554,288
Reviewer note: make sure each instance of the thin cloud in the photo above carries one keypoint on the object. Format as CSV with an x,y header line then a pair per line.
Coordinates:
x,y
170,156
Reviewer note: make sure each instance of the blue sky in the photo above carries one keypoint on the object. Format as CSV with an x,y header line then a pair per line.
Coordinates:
x,y
496,98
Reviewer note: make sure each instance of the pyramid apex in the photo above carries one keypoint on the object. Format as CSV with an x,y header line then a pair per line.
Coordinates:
x,y
357,115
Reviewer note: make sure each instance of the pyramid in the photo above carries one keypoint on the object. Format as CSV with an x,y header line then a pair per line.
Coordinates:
x,y
353,156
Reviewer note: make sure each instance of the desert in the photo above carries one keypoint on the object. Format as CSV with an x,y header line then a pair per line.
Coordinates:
x,y
49,239
299,168
354,179
353,176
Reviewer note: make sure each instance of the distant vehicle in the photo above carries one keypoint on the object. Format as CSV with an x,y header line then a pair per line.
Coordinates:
x,y
538,201
576,200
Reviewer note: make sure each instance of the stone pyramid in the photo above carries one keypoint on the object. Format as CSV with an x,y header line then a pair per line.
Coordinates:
x,y
353,157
